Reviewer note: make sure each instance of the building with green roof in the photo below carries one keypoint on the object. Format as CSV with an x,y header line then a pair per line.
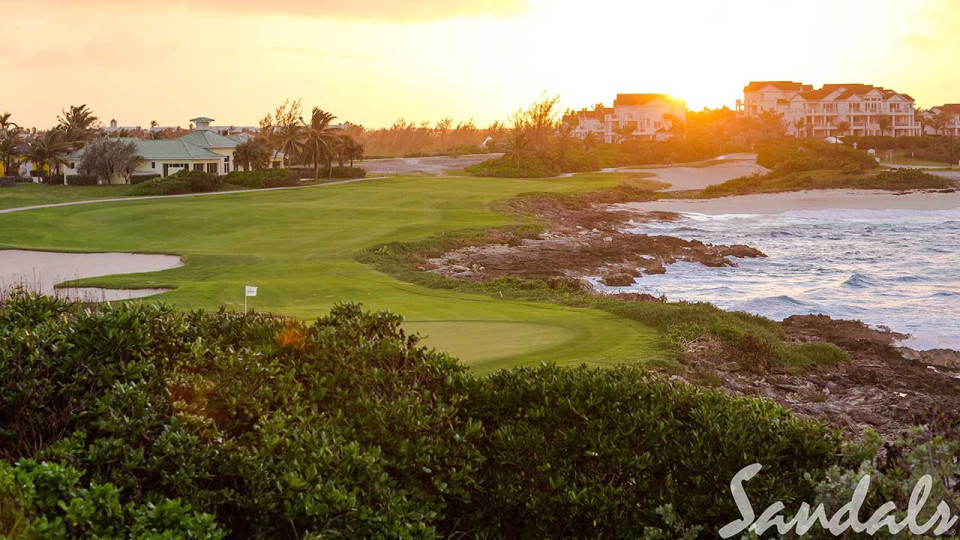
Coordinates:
x,y
202,149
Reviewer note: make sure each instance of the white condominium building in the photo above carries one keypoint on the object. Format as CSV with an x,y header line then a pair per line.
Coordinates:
x,y
942,120
633,116
860,109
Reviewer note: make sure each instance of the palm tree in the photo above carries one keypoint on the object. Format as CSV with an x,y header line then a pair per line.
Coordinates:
x,y
78,122
49,150
940,121
9,150
920,118
5,123
884,123
517,144
319,140
842,128
625,132
286,140
354,151
799,123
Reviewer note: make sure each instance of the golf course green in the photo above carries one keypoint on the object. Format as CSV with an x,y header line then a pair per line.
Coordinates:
x,y
298,246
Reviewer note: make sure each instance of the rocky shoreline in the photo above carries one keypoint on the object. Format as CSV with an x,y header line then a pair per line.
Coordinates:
x,y
883,387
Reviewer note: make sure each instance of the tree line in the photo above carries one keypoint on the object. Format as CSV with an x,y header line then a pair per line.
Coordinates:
x,y
76,125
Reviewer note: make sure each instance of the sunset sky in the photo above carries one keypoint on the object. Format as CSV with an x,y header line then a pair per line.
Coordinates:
x,y
371,62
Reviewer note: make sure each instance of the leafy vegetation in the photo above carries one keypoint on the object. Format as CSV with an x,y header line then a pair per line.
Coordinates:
x,y
797,166
108,158
185,181
349,427
811,155
315,142
538,144
892,180
933,148
265,178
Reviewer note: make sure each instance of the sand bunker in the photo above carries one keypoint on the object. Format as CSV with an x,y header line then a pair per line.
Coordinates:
x,y
42,271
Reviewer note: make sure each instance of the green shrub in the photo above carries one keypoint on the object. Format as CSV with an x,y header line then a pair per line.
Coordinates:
x,y
264,178
506,167
178,184
82,180
342,173
797,156
46,500
348,427
580,453
141,178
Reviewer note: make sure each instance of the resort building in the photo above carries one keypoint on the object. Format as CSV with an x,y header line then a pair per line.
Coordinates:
x,y
201,149
861,109
948,115
633,116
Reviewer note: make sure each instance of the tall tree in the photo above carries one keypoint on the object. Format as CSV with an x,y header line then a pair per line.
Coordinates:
x,y
49,149
940,121
78,122
5,122
319,139
842,128
282,130
799,124
354,151
9,149
106,158
884,123
920,118
517,144
253,154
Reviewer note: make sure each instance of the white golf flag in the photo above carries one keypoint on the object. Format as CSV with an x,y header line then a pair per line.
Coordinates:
x,y
251,291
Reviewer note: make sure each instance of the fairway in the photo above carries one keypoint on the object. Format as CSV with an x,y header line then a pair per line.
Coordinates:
x,y
298,247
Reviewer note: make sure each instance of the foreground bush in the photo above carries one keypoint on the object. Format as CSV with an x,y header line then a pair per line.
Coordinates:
x,y
348,427
45,500
178,184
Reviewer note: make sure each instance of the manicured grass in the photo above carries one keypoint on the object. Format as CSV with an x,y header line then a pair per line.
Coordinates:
x,y
299,245
30,194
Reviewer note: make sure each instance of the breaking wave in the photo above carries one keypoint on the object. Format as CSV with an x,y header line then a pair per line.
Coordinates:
x,y
897,268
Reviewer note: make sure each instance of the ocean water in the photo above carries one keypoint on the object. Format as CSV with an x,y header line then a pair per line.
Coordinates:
x,y
896,268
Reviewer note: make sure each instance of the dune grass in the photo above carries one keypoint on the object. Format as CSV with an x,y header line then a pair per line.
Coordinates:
x,y
298,246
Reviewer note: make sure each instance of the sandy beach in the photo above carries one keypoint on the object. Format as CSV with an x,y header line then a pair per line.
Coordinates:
x,y
776,203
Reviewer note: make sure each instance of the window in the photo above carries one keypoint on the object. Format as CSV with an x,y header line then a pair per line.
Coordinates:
x,y
198,166
153,164
226,159
73,165
212,168
226,168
